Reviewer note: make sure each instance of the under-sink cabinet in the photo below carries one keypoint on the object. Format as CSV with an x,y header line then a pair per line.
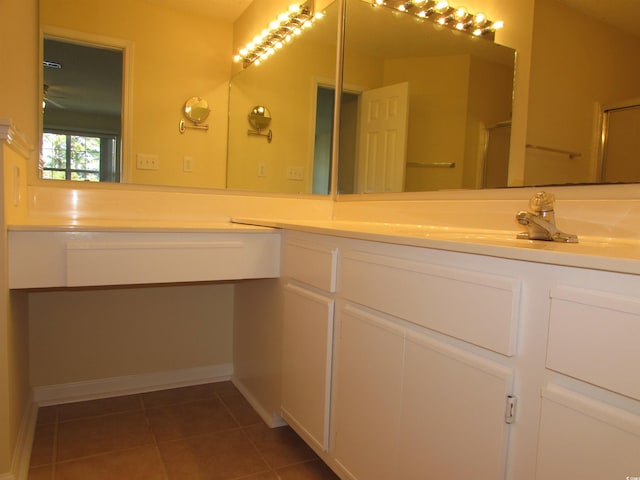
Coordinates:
x,y
414,363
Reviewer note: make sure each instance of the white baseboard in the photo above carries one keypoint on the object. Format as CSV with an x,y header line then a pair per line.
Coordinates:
x,y
21,457
272,420
130,384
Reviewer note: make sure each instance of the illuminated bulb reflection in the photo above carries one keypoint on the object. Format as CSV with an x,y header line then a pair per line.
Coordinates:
x,y
443,13
280,31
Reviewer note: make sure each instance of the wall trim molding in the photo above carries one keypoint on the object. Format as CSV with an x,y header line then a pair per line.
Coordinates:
x,y
271,419
12,136
21,458
129,384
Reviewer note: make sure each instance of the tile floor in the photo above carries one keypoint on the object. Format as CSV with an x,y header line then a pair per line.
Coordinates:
x,y
193,433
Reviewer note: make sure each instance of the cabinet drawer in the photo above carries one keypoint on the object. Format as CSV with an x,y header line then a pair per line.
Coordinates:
x,y
475,307
593,336
311,263
71,259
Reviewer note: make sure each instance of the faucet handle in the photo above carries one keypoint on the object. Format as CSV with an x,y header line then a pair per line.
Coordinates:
x,y
542,202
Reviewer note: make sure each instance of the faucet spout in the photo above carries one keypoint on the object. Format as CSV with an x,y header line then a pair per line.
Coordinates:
x,y
540,222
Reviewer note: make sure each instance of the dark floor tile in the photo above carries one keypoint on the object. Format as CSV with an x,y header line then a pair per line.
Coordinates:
x,y
218,456
101,406
43,442
44,472
194,418
279,446
47,414
241,410
270,475
137,464
314,470
107,433
224,389
173,396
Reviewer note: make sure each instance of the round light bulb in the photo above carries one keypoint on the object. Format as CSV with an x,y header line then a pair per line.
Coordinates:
x,y
442,6
498,25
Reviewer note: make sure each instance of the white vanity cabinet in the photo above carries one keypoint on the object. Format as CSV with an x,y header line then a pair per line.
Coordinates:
x,y
423,378
309,283
590,416
451,365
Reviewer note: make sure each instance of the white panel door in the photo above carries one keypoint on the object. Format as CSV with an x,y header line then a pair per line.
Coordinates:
x,y
367,397
306,364
453,413
382,145
587,439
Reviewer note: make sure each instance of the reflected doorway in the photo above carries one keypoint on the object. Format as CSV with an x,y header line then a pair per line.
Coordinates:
x,y
621,144
81,111
325,100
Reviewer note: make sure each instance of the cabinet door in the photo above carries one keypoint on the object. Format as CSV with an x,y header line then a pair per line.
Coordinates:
x,y
453,413
584,438
368,377
306,366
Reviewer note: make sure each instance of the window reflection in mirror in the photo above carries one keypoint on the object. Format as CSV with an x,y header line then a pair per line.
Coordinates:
x,y
82,112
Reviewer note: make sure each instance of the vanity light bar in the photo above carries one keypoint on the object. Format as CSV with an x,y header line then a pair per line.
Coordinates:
x,y
441,12
281,31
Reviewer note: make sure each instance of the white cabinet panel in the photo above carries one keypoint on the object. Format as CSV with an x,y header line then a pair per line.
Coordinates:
x,y
368,389
479,308
306,367
311,262
453,413
586,439
594,336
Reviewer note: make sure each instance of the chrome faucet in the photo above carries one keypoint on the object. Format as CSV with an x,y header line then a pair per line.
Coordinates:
x,y
540,221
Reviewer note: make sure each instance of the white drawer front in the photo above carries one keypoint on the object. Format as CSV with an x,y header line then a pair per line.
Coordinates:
x,y
312,263
59,259
475,307
594,336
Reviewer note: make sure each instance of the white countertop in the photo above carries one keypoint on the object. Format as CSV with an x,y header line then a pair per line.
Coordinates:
x,y
146,226
615,255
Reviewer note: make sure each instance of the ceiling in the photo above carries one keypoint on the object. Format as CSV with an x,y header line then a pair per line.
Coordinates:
x,y
623,14
224,10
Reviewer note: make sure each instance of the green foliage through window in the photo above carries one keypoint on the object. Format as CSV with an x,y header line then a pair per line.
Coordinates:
x,y
77,157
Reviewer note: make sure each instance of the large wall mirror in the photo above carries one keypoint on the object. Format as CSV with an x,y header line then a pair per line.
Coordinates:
x,y
581,84
451,95
583,114
297,86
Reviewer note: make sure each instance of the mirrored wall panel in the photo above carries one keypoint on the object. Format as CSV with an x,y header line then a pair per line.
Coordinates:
x,y
427,107
296,86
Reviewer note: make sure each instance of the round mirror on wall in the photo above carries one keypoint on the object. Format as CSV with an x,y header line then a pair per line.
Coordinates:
x,y
259,117
196,109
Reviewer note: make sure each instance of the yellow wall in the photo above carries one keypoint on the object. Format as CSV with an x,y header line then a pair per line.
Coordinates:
x,y
19,102
176,55
91,334
285,84
577,63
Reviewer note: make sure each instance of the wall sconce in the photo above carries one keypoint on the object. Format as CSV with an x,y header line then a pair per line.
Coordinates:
x,y
279,32
196,110
442,13
259,119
